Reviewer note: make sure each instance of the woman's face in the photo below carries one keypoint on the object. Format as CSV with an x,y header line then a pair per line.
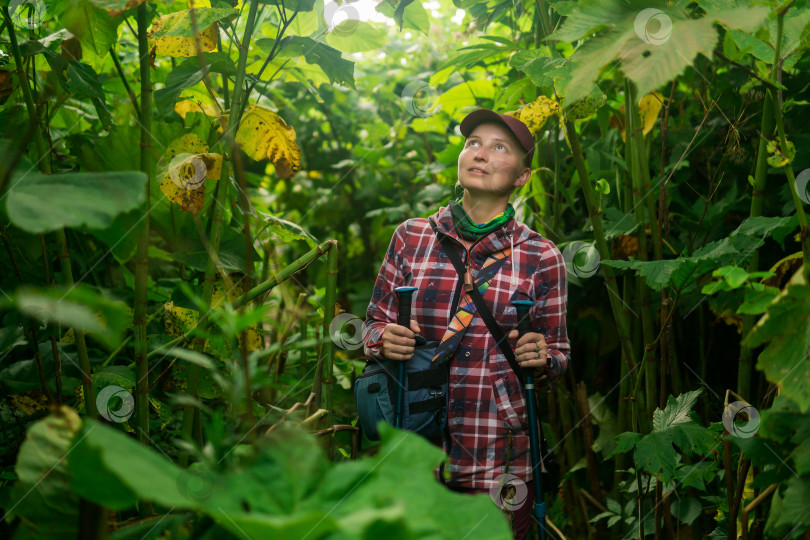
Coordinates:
x,y
492,161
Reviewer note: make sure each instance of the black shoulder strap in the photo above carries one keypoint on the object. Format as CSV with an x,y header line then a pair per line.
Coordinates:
x,y
481,305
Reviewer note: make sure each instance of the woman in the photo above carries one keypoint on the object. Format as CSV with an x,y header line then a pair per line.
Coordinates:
x,y
487,432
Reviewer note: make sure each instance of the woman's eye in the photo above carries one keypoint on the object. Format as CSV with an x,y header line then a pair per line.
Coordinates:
x,y
500,147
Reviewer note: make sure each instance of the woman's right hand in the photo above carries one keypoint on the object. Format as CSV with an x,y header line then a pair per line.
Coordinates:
x,y
398,342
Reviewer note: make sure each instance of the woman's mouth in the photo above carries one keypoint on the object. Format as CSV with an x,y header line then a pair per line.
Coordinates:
x,y
477,172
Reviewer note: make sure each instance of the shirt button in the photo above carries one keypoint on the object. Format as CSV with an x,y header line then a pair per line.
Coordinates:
x,y
467,353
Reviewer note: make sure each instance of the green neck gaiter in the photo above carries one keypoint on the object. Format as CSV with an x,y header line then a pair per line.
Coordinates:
x,y
472,231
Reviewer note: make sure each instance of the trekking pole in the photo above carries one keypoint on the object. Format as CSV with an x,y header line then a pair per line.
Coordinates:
x,y
404,295
524,327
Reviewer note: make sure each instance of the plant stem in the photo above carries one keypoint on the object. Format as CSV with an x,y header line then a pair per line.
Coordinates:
x,y
216,226
328,349
601,243
124,80
139,341
776,103
636,165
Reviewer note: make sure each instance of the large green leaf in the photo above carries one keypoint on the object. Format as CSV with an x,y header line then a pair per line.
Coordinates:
x,y
402,473
795,511
94,27
42,500
351,36
327,58
786,329
80,307
42,203
655,454
653,42
114,470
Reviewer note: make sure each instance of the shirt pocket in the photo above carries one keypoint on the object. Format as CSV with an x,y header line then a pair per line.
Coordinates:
x,y
510,404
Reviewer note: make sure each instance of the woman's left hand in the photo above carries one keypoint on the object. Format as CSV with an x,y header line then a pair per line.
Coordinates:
x,y
531,350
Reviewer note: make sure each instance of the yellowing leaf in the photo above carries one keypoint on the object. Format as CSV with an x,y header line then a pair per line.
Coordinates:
x,y
535,114
180,320
262,134
181,46
649,106
185,106
185,167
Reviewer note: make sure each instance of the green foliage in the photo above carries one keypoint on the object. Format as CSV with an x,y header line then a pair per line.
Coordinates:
x,y
80,307
654,452
374,110
46,505
650,57
89,199
786,329
283,487
685,270
782,449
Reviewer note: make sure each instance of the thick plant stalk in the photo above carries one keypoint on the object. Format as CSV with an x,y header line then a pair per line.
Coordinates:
x,y
757,200
142,256
216,218
328,348
636,165
61,239
804,233
601,244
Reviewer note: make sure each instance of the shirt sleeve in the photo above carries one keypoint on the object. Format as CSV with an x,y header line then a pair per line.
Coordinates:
x,y
550,313
382,309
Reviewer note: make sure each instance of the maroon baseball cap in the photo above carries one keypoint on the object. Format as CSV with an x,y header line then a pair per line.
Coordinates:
x,y
518,128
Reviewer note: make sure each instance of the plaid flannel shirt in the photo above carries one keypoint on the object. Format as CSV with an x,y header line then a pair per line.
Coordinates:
x,y
486,398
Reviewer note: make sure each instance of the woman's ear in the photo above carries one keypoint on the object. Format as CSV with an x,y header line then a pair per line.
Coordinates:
x,y
523,177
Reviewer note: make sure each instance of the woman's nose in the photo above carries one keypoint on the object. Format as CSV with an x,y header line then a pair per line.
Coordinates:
x,y
481,153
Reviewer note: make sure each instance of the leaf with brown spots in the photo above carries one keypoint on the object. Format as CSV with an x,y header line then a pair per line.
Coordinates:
x,y
170,35
185,167
262,134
